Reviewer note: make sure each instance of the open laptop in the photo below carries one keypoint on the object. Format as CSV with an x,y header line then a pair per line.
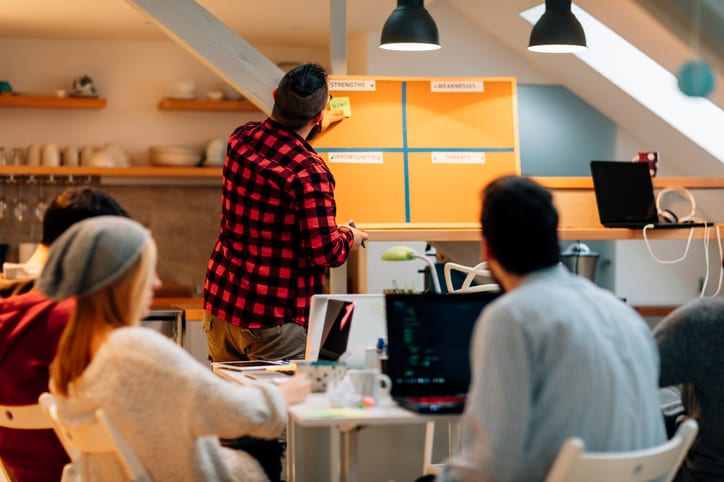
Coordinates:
x,y
625,196
428,337
368,325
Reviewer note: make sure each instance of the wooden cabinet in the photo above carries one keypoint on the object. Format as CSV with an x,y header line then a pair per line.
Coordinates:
x,y
11,100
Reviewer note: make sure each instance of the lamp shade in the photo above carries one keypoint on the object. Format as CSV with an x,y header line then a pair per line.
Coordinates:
x,y
695,78
558,30
410,27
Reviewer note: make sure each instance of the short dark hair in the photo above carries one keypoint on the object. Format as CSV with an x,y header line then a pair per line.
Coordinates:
x,y
302,94
520,224
77,204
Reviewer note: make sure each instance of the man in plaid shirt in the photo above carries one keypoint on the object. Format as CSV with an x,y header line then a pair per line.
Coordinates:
x,y
278,230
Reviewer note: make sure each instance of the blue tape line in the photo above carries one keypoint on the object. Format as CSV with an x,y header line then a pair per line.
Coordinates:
x,y
405,152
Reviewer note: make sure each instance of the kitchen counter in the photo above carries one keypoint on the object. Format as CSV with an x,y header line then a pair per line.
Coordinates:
x,y
191,306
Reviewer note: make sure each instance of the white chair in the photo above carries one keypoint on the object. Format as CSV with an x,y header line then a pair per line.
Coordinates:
x,y
653,464
97,436
453,445
21,417
480,269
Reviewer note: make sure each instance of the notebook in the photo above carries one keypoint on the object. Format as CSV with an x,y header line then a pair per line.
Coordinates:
x,y
428,337
625,196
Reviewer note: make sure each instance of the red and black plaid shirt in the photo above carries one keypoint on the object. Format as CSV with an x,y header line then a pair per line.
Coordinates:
x,y
278,229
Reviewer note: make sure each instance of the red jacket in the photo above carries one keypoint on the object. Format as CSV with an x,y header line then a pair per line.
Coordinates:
x,y
30,327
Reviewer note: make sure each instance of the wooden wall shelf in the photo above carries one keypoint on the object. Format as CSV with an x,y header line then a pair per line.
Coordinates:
x,y
203,104
9,100
136,171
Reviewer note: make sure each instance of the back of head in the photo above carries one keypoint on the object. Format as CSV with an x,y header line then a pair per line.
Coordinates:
x,y
520,224
108,263
302,94
73,205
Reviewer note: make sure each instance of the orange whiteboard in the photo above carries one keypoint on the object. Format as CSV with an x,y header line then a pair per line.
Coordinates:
x,y
419,150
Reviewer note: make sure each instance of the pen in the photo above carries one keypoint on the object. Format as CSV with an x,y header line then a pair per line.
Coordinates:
x,y
351,223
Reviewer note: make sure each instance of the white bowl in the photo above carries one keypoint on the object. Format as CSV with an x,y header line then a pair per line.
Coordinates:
x,y
174,155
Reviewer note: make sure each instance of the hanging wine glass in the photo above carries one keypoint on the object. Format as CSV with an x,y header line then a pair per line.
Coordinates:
x,y
3,203
41,206
20,207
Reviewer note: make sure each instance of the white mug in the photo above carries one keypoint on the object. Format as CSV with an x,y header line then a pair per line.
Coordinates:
x,y
33,155
86,153
71,157
369,382
51,155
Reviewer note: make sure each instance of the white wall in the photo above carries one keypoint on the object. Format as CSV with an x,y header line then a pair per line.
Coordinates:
x,y
133,77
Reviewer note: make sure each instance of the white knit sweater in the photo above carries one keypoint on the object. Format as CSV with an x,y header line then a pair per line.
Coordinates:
x,y
171,410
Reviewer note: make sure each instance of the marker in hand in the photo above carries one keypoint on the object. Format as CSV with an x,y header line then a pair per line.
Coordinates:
x,y
351,223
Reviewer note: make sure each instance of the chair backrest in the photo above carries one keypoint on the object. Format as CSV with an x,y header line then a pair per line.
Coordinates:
x,y
24,417
653,464
97,436
21,417
480,269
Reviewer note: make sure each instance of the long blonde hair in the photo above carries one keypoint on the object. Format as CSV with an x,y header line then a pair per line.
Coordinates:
x,y
116,305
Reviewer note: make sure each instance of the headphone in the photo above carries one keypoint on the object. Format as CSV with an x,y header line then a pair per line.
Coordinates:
x,y
667,215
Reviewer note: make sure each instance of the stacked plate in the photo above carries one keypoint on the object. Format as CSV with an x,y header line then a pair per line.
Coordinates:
x,y
215,153
174,155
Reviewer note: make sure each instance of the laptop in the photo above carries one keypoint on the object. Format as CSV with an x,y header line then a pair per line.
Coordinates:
x,y
625,196
428,337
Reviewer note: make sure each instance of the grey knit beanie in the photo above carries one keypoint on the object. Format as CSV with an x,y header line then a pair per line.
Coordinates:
x,y
91,254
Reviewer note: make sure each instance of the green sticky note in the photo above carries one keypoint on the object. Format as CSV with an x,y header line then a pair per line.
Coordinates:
x,y
341,103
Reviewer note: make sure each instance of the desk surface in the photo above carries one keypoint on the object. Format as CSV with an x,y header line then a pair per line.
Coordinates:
x,y
316,411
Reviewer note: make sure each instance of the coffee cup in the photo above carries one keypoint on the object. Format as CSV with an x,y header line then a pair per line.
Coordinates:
x,y
33,155
370,383
71,156
51,155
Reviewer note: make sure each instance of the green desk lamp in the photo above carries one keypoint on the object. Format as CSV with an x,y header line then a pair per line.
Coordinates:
x,y
403,253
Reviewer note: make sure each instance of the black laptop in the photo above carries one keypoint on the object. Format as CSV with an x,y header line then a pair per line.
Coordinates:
x,y
428,337
625,196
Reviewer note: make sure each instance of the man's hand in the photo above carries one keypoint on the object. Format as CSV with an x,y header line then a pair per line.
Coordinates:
x,y
329,117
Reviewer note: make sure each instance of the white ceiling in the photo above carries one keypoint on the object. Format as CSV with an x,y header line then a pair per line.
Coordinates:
x,y
303,23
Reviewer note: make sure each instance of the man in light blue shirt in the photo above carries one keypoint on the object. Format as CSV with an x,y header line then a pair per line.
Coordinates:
x,y
554,357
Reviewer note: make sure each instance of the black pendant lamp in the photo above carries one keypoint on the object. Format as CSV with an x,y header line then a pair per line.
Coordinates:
x,y
558,30
410,27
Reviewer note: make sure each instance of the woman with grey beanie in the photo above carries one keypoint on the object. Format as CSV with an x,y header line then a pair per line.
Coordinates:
x,y
170,409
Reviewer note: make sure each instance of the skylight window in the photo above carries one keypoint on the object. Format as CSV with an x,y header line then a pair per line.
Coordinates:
x,y
646,81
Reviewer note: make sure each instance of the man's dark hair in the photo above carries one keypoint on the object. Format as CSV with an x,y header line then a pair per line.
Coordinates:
x,y
73,205
302,94
520,224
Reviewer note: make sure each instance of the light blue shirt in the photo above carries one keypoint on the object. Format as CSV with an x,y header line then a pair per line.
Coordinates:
x,y
554,358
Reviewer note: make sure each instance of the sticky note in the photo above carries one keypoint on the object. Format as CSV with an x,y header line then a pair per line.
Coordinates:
x,y
341,103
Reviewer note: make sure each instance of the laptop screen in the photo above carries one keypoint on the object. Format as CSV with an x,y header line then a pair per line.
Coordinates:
x,y
428,337
335,334
624,192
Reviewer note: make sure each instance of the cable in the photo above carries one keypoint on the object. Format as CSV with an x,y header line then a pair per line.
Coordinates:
x,y
662,261
706,257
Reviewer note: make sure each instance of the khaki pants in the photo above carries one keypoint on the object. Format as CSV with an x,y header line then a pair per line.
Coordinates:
x,y
228,342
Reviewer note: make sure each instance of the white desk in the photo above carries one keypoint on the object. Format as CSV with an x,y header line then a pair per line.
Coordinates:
x,y
344,424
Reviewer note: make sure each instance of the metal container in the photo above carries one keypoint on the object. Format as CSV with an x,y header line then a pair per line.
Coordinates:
x,y
579,259
168,321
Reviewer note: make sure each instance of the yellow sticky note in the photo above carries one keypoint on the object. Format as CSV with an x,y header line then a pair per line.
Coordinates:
x,y
341,103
